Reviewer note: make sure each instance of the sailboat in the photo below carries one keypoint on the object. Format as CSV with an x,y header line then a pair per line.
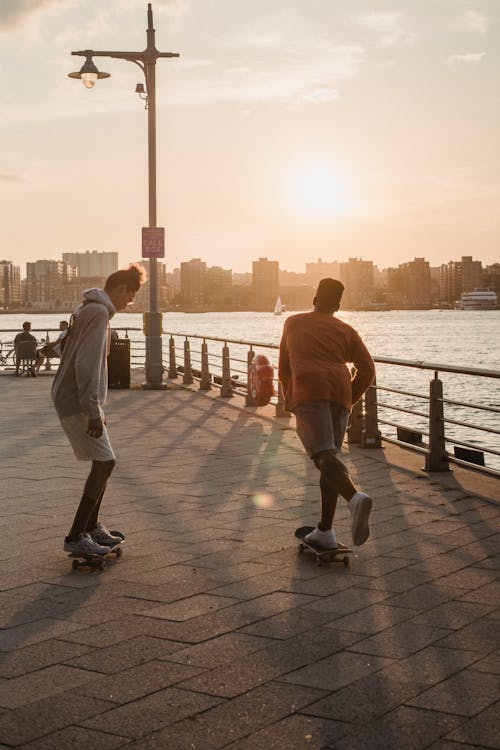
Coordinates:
x,y
278,307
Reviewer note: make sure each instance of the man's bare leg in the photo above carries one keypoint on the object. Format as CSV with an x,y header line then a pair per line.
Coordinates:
x,y
328,505
92,495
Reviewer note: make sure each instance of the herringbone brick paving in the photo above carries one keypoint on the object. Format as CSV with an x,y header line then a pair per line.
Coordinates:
x,y
211,631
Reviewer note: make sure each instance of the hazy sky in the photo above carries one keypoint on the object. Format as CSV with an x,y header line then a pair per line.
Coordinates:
x,y
292,129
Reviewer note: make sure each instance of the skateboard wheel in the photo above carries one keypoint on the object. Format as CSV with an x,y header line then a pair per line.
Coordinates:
x,y
119,552
102,565
75,564
318,562
301,548
346,561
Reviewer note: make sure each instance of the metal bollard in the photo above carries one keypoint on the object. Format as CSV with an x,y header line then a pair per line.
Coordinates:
x,y
249,401
172,367
226,390
372,437
279,410
47,359
355,429
188,373
436,459
205,382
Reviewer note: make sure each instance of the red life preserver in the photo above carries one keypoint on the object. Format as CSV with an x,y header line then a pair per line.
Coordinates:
x,y
260,380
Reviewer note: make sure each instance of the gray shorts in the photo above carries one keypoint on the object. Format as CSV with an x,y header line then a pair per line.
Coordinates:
x,y
321,426
85,447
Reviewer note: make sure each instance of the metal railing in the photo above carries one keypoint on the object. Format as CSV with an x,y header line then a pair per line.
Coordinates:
x,y
444,430
428,432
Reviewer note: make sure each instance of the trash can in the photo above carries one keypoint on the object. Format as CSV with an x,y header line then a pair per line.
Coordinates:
x,y
119,364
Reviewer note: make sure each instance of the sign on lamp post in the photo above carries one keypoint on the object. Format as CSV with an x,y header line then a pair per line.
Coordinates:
x,y
153,242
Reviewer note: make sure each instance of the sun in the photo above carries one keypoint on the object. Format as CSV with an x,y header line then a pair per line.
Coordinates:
x,y
319,191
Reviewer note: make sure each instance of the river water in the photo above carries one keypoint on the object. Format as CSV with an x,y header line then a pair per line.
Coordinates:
x,y
451,337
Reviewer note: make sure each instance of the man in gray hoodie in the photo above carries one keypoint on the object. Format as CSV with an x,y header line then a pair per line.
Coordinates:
x,y
79,392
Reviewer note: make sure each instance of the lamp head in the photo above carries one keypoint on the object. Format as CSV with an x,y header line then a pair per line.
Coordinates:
x,y
88,73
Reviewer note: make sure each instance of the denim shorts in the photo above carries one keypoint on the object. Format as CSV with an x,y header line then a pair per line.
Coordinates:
x,y
321,426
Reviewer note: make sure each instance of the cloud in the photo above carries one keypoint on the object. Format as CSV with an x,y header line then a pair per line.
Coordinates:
x,y
10,178
469,57
389,26
14,12
474,21
303,76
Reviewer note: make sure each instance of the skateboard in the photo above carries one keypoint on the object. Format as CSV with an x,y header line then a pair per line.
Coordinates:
x,y
323,554
96,561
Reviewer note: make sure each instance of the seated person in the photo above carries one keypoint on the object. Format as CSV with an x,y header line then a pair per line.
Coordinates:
x,y
52,349
25,335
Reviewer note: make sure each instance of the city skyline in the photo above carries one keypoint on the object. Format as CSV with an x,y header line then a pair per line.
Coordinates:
x,y
294,132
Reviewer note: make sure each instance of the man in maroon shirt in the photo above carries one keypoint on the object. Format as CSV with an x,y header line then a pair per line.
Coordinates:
x,y
315,350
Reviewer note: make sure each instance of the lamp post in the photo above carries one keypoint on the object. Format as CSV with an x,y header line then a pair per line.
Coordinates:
x,y
89,74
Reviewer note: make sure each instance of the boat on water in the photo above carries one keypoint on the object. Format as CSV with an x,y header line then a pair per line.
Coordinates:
x,y
478,299
278,307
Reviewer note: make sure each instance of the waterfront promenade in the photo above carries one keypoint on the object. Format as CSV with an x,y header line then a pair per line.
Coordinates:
x,y
211,631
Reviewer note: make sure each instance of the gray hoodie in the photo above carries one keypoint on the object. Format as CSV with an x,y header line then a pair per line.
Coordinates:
x,y
81,382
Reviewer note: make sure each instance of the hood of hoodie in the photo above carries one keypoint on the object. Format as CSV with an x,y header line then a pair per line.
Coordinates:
x,y
100,296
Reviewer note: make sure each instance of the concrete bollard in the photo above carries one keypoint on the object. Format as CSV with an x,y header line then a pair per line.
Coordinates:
x,y
205,382
226,390
188,373
172,367
436,458
249,401
372,437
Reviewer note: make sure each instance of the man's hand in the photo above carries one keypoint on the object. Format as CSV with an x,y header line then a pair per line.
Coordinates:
x,y
95,427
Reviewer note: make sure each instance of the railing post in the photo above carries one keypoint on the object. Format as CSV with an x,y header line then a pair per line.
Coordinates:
x,y
188,373
172,367
372,437
436,459
205,383
249,401
355,429
279,410
226,390
47,359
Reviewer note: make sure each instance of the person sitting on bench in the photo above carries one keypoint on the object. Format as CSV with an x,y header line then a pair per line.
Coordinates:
x,y
52,349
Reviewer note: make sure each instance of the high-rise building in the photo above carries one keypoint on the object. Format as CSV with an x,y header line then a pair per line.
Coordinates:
x,y
47,282
456,277
357,277
265,283
94,263
321,270
218,287
193,274
410,284
10,284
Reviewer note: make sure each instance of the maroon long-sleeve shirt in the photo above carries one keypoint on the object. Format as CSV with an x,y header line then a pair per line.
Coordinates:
x,y
315,350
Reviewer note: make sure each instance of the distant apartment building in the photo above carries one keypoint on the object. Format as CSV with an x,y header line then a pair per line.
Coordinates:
x,y
10,284
357,276
93,263
321,270
141,302
265,283
193,273
460,276
410,284
218,288
47,284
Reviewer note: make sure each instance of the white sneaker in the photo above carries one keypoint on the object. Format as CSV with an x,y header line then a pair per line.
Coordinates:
x,y
102,535
360,506
326,539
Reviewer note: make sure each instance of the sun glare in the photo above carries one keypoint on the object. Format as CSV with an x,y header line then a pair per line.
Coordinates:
x,y
318,191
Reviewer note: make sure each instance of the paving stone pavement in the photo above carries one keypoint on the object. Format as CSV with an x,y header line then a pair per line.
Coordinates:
x,y
212,631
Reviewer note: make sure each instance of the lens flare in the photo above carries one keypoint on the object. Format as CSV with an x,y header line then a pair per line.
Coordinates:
x,y
263,500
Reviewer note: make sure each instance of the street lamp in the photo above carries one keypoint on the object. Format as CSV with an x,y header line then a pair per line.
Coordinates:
x,y
89,74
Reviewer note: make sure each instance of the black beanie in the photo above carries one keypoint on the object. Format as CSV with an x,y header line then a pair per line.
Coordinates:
x,y
329,292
